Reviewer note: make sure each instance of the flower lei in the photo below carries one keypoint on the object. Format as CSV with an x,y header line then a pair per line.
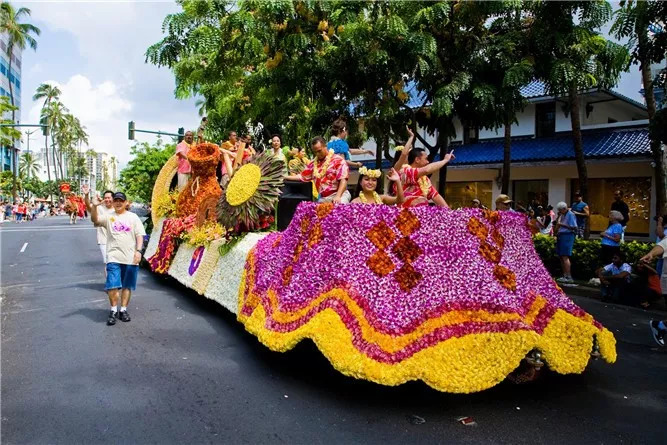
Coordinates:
x,y
424,183
376,198
363,171
319,173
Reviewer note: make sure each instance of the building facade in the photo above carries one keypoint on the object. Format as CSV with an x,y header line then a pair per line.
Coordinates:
x,y
9,155
543,169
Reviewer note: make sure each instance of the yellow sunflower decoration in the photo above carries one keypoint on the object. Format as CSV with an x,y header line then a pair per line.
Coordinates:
x,y
252,192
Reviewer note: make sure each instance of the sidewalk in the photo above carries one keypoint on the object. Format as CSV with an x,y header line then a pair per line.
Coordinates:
x,y
585,290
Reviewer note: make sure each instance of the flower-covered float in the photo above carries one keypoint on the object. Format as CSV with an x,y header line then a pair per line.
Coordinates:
x,y
456,298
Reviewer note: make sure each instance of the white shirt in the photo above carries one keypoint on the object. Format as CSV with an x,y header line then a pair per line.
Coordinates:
x,y
102,210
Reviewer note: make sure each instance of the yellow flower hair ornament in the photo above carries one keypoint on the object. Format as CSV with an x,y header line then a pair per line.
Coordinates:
x,y
363,171
399,148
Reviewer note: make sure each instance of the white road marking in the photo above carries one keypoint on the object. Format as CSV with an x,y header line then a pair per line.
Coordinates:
x,y
24,247
50,229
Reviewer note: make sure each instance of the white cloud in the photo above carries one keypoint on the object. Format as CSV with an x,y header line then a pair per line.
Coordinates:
x,y
101,109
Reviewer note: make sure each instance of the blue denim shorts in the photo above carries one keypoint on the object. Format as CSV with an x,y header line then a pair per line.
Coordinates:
x,y
121,276
564,244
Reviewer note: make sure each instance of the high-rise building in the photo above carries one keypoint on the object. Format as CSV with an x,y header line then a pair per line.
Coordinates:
x,y
101,172
9,155
91,166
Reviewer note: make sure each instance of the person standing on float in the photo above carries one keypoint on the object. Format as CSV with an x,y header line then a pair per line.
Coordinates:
x,y
329,172
415,169
184,168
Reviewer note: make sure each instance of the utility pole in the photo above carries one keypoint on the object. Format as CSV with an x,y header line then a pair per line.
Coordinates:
x,y
27,135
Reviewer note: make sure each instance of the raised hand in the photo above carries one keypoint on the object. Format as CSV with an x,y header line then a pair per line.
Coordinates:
x,y
449,156
85,189
393,176
410,132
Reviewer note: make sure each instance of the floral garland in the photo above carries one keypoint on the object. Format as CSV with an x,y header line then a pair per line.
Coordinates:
x,y
320,172
172,228
163,183
376,198
204,235
463,330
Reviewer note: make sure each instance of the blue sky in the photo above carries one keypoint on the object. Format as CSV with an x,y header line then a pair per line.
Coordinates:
x,y
95,51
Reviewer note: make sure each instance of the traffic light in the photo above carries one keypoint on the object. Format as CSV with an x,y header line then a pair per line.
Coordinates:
x,y
181,134
130,130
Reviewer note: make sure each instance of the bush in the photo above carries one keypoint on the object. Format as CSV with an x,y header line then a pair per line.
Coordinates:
x,y
585,255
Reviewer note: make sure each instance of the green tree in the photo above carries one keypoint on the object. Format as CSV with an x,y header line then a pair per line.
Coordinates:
x,y
35,187
572,56
138,178
28,165
49,93
633,22
20,35
7,134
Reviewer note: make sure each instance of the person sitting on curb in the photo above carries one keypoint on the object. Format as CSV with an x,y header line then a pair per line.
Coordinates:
x,y
125,240
658,327
614,278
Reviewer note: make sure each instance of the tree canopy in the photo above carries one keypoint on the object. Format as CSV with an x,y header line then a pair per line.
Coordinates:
x,y
137,179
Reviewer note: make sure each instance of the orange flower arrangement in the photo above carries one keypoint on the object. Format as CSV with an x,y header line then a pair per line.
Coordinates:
x,y
505,277
324,209
498,238
491,216
489,252
316,235
380,263
478,229
203,183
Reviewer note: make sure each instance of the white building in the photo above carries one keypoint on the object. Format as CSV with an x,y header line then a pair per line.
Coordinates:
x,y
616,146
100,168
91,166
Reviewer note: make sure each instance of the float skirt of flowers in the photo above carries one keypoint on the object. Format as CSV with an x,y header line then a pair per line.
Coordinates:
x,y
454,298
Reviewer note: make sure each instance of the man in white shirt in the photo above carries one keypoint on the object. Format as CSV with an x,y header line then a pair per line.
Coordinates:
x,y
103,208
125,240
614,278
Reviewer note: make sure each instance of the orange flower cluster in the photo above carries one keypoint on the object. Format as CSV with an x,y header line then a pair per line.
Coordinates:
x,y
407,277
498,238
316,235
407,222
491,216
287,275
478,229
381,235
407,250
505,277
380,263
324,209
489,252
203,182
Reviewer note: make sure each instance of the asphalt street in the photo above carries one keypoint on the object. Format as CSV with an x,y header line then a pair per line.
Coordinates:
x,y
185,371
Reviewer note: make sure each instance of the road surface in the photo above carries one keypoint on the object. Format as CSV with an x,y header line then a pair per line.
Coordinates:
x,y
184,371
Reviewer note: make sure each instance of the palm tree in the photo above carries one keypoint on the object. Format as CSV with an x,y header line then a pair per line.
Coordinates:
x,y
572,56
54,114
633,22
47,92
19,36
28,165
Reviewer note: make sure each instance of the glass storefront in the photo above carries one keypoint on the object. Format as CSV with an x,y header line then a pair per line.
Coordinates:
x,y
530,192
636,194
461,194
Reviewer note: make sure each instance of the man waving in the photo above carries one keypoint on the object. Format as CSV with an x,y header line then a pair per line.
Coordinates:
x,y
125,239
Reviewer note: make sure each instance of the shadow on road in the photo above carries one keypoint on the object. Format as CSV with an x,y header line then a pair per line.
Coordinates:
x,y
95,315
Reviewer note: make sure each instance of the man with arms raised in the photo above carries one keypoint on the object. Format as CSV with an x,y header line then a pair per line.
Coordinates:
x,y
415,169
329,171
125,239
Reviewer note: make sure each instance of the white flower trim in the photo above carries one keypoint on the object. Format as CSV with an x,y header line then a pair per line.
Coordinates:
x,y
224,285
154,239
181,263
206,267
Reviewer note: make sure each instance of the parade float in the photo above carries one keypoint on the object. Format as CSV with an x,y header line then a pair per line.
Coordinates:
x,y
458,299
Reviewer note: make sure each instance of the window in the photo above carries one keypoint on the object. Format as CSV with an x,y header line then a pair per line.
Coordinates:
x,y
545,120
3,45
470,135
636,194
3,69
530,193
461,194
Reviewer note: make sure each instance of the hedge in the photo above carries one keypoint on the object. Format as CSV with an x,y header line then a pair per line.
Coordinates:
x,y
585,255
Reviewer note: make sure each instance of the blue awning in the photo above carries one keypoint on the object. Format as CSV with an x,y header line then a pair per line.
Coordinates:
x,y
621,143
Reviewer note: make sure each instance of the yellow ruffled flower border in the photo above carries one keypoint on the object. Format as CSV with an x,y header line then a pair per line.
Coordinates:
x,y
465,364
163,182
